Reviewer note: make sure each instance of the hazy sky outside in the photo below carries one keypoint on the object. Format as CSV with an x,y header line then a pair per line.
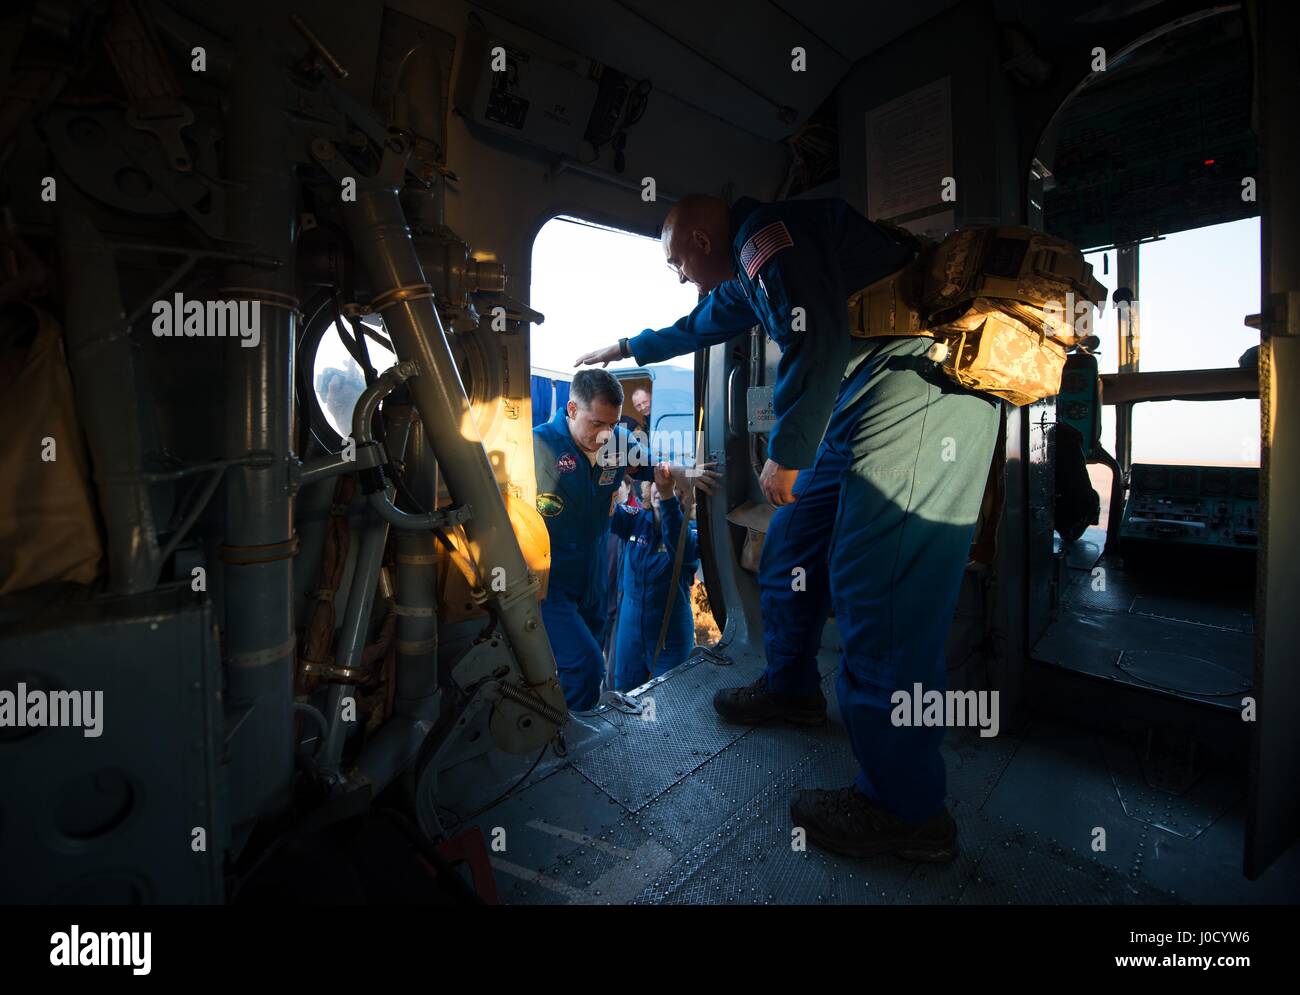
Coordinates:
x,y
596,286
1196,289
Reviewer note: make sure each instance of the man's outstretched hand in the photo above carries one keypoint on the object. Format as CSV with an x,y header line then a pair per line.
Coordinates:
x,y
701,475
777,483
602,356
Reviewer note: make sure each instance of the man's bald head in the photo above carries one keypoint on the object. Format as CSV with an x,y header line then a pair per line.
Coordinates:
x,y
696,240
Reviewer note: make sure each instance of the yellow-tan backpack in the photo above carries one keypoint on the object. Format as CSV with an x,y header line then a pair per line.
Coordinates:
x,y
1003,305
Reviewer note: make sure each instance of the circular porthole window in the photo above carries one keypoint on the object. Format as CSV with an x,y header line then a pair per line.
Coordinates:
x,y
337,378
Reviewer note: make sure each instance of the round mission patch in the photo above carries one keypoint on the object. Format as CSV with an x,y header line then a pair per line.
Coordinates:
x,y
550,505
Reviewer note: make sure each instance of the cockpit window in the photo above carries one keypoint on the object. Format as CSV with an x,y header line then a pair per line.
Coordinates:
x,y
1196,290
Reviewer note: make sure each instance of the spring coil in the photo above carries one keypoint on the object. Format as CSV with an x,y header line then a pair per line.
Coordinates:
x,y
531,702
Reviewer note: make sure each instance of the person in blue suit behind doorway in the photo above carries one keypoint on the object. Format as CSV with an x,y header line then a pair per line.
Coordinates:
x,y
580,458
651,536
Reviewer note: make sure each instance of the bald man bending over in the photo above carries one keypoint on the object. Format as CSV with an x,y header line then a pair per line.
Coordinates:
x,y
876,466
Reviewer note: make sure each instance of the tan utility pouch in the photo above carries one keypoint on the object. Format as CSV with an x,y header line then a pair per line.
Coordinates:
x,y
886,307
1004,301
990,351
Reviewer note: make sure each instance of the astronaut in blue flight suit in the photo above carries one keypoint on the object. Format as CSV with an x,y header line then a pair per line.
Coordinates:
x,y
651,536
580,457
877,465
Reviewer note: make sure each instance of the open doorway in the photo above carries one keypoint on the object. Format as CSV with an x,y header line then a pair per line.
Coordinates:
x,y
1165,402
597,284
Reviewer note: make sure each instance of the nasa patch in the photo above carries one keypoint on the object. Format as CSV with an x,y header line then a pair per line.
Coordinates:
x,y
566,463
607,477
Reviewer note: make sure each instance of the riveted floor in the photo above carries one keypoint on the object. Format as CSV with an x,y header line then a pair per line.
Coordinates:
x,y
673,806
1188,637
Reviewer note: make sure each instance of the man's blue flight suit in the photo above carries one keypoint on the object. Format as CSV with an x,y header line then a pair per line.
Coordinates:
x,y
893,459
574,497
647,571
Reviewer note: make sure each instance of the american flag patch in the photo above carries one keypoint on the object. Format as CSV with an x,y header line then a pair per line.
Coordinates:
x,y
763,245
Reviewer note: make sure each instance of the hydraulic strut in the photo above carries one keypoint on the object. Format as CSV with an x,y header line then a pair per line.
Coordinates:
x,y
382,241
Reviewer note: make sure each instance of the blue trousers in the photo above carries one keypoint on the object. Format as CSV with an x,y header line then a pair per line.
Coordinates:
x,y
638,634
881,530
576,632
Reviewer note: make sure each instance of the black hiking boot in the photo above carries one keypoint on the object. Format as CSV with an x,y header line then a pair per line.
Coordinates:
x,y
846,821
755,703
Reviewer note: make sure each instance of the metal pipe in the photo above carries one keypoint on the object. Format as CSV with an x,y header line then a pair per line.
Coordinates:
x,y
318,719
353,633
395,516
361,597
381,238
365,576
380,501
364,410
416,703
192,516
103,373
417,590
325,468
311,512
259,630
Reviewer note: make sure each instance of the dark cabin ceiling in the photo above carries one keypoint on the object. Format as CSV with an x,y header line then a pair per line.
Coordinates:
x,y
729,59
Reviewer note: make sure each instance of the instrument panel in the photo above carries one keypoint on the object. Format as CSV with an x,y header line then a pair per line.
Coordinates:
x,y
1193,505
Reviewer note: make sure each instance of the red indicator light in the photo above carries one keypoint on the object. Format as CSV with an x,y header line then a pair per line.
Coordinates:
x,y
1209,162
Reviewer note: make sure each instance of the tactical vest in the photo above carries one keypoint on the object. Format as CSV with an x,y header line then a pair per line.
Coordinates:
x,y
1001,304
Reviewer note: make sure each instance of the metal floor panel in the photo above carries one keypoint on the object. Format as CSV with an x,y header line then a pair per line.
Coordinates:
x,y
751,859
476,781
1234,616
1208,869
1112,591
1024,868
1096,643
1196,600
1188,813
1060,786
975,763
686,810
538,825
677,743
